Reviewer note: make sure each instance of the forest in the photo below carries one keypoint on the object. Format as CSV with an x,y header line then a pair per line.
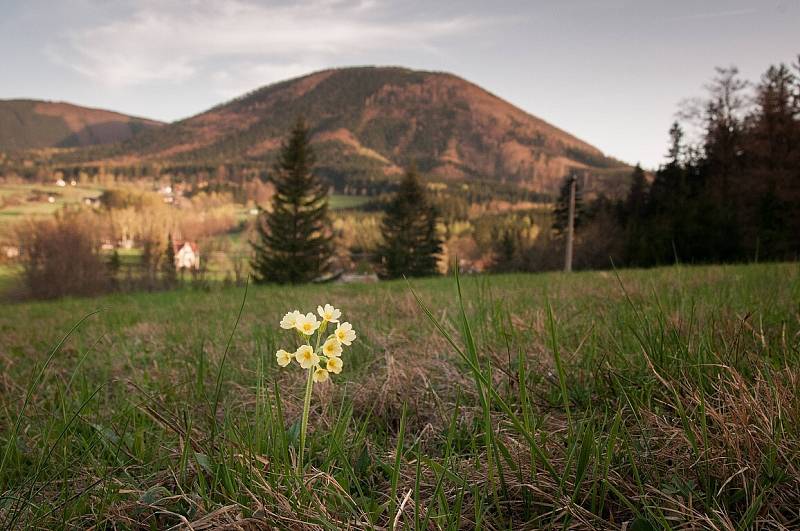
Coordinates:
x,y
729,190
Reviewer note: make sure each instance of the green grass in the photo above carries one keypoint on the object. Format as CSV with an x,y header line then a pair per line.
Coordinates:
x,y
654,399
23,207
342,202
9,277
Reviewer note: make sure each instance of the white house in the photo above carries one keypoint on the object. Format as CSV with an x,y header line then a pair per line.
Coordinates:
x,y
187,255
11,251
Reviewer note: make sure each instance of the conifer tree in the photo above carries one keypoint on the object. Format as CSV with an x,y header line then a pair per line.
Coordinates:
x,y
676,147
294,242
771,223
168,265
411,244
114,264
561,213
637,194
634,216
505,250
149,261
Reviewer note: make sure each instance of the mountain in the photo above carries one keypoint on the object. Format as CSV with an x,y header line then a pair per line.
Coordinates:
x,y
369,122
33,124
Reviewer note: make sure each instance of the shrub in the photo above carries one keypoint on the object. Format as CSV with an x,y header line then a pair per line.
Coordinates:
x,y
61,256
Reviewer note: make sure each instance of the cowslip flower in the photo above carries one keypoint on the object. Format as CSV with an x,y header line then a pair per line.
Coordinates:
x,y
332,348
345,334
307,324
320,375
306,356
320,360
284,358
289,320
334,365
329,313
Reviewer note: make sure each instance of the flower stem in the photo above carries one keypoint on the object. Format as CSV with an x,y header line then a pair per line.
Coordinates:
x,y
304,425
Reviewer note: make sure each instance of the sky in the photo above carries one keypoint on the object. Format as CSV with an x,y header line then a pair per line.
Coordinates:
x,y
611,72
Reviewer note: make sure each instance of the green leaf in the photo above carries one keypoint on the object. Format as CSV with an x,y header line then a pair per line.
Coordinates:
x,y
293,432
153,495
204,461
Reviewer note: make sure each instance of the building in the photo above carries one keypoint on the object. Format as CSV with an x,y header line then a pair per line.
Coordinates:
x,y
10,252
187,255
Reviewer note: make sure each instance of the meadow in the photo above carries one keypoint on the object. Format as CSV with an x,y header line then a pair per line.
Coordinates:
x,y
19,201
644,399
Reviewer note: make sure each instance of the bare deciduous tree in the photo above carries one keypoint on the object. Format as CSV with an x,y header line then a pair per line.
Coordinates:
x,y
60,256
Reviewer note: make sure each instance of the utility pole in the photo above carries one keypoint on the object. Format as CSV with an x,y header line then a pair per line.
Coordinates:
x,y
570,224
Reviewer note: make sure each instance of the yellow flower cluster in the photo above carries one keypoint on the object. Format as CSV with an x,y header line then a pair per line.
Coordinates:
x,y
322,359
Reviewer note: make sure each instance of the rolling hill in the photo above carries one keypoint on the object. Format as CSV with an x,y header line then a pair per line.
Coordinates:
x,y
371,121
33,124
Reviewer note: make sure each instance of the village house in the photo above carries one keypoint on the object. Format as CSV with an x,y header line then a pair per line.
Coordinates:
x,y
187,255
10,251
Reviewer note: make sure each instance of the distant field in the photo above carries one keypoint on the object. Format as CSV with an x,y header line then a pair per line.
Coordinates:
x,y
341,202
18,201
661,399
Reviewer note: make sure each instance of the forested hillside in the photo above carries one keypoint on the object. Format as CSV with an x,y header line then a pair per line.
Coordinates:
x,y
369,122
32,124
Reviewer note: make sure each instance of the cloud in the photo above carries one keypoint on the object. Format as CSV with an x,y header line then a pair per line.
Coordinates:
x,y
715,14
236,42
237,79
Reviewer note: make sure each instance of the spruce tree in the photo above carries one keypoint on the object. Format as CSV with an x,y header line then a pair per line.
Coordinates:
x,y
771,221
676,147
294,244
722,170
637,193
149,261
114,264
634,216
505,250
561,213
411,244
168,265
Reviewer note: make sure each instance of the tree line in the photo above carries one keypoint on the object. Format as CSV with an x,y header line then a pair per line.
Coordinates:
x,y
731,194
735,194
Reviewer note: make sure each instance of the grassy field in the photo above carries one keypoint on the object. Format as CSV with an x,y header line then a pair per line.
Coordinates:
x,y
9,278
655,399
343,202
18,201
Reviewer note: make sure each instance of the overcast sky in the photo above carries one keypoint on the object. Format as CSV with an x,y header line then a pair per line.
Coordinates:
x,y
612,72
